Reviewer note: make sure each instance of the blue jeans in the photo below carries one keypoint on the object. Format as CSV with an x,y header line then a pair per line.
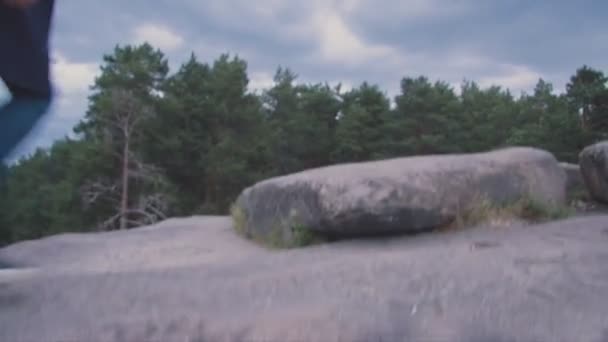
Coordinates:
x,y
19,117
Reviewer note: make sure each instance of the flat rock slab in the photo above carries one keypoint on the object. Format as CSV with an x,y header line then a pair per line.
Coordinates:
x,y
195,280
402,195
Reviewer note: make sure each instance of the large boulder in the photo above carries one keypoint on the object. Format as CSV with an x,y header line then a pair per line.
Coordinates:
x,y
403,195
593,161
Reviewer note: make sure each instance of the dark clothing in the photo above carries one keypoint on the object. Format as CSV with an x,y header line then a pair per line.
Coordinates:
x,y
24,67
24,46
18,117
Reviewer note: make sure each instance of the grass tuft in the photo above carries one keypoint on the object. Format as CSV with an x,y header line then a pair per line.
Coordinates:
x,y
302,236
298,235
483,211
537,212
240,220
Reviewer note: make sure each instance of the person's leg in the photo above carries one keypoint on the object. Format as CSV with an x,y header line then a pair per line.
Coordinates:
x,y
18,117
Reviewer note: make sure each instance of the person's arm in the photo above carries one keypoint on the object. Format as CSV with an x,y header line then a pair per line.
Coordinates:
x,y
21,4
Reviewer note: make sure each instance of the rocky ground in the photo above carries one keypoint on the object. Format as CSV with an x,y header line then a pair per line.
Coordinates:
x,y
194,279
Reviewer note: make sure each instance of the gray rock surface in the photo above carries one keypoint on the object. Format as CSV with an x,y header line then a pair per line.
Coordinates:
x,y
403,195
574,179
195,280
594,167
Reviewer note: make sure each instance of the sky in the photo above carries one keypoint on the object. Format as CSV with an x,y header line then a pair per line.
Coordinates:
x,y
511,43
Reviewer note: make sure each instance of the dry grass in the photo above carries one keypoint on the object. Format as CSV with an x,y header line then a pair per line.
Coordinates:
x,y
526,210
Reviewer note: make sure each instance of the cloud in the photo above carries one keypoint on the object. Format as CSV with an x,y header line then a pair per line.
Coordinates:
x,y
517,78
260,80
489,71
337,43
159,36
72,77
506,43
410,10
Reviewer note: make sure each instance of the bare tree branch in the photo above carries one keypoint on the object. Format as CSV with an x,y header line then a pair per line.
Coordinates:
x,y
143,171
94,191
109,223
122,119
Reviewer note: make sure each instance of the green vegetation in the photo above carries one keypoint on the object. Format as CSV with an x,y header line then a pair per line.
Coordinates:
x,y
239,220
156,143
302,236
482,211
537,212
289,235
579,194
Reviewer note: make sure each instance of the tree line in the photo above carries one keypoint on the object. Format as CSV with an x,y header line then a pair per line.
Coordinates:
x,y
154,145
